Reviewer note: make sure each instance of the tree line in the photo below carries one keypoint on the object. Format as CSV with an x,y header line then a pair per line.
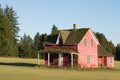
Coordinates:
x,y
27,47
8,32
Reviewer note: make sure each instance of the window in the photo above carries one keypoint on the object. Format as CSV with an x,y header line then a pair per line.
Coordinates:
x,y
110,59
85,42
91,42
51,58
60,42
88,59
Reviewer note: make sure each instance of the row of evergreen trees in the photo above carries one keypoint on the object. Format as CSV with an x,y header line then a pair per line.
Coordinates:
x,y
27,47
8,32
10,46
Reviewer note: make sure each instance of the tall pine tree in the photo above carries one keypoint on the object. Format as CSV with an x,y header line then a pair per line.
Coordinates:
x,y
54,29
8,42
7,46
117,53
12,16
39,42
25,47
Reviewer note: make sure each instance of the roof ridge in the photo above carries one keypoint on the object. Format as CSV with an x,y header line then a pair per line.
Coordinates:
x,y
76,35
72,29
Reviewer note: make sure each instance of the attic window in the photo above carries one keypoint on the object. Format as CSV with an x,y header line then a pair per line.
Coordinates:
x,y
85,42
60,42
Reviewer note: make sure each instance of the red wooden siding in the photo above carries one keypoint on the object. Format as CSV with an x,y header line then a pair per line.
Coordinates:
x,y
105,61
100,60
74,47
65,59
55,59
87,56
88,49
110,64
46,58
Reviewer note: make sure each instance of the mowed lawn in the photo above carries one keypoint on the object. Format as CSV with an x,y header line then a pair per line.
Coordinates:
x,y
25,69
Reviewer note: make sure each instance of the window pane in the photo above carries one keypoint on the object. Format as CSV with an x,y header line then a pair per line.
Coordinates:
x,y
110,59
85,42
91,42
88,59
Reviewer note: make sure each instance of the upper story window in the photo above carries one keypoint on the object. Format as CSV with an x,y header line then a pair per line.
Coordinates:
x,y
85,42
91,42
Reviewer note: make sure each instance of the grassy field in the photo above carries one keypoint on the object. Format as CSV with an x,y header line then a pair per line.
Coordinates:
x,y
25,69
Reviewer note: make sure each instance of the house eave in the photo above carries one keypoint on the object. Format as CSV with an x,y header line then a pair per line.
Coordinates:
x,y
58,50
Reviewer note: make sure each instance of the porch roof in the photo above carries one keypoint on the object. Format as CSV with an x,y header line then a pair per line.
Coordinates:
x,y
58,50
103,52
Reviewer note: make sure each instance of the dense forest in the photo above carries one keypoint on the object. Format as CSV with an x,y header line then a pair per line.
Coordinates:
x,y
27,47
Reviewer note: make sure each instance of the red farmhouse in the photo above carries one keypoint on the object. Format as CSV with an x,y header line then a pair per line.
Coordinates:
x,y
76,48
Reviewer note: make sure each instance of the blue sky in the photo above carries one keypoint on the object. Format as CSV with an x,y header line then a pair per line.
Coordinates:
x,y
39,15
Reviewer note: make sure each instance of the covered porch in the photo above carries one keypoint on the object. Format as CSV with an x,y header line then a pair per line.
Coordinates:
x,y
60,57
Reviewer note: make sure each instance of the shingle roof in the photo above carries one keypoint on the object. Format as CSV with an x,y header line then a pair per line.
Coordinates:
x,y
64,35
103,52
69,37
51,39
72,37
76,36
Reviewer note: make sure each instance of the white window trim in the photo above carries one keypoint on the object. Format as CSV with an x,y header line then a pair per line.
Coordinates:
x,y
88,59
92,42
85,42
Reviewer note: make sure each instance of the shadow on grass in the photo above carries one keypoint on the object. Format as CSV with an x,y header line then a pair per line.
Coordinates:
x,y
18,64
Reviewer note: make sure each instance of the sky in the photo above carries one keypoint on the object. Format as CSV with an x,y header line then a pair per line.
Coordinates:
x,y
39,16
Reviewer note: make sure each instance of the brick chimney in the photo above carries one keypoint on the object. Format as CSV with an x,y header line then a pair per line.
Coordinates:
x,y
74,27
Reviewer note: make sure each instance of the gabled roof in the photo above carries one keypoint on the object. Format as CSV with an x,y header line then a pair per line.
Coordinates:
x,y
76,36
69,37
64,35
103,52
51,39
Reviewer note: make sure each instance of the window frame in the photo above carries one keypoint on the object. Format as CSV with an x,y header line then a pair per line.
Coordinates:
x,y
91,42
88,59
111,60
85,42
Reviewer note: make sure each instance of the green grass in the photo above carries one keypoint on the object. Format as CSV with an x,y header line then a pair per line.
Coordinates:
x,y
25,69
117,64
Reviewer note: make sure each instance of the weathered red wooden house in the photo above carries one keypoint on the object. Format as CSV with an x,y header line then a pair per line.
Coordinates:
x,y
76,48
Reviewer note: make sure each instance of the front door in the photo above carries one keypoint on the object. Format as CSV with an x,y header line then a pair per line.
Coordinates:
x,y
75,60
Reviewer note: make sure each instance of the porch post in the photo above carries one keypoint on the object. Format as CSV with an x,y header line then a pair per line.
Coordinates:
x,y
48,59
72,60
61,59
38,60
59,63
